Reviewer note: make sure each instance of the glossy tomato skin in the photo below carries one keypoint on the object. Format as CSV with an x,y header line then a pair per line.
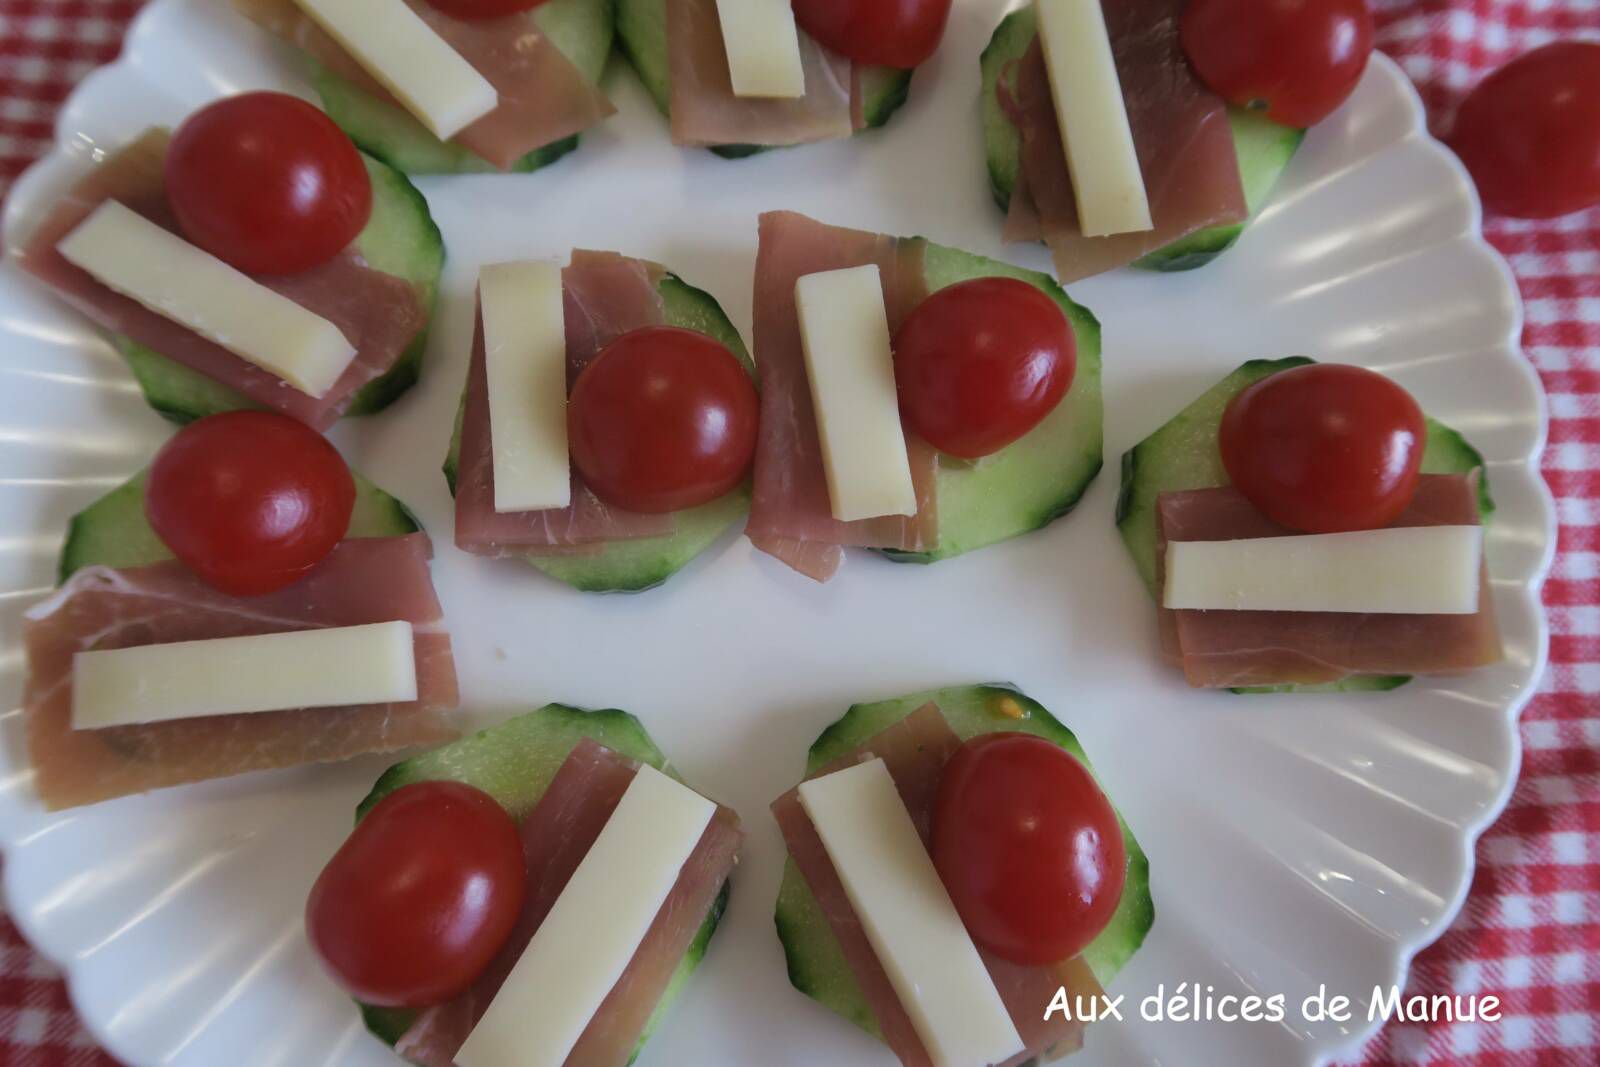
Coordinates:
x,y
473,10
250,500
1325,448
268,183
420,896
1028,846
890,33
663,419
1296,59
1530,132
980,363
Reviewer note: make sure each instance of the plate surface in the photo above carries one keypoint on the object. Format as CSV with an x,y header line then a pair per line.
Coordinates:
x,y
1293,841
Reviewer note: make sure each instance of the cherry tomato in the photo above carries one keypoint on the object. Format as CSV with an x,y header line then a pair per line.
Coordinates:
x,y
979,364
420,897
250,500
1028,846
1325,448
890,33
472,10
663,419
1296,60
268,183
1530,132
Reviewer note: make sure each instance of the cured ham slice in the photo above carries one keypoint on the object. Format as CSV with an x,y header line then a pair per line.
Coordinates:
x,y
364,580
378,313
1258,648
791,515
915,750
1180,131
605,296
543,96
556,836
705,111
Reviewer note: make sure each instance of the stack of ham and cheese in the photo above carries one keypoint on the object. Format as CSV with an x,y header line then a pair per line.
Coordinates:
x,y
128,668
1219,647
793,514
742,74
1123,150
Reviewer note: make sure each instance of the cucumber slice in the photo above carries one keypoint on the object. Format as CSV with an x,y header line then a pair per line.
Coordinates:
x,y
642,33
400,238
816,963
582,29
1038,479
636,565
113,531
514,763
1183,454
1264,148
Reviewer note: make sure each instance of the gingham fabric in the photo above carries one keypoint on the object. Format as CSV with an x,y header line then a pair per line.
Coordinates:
x,y
1531,928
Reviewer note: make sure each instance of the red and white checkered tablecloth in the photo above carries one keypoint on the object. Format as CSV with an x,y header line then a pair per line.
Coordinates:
x,y
1531,929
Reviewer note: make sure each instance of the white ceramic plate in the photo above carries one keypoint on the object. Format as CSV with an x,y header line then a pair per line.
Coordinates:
x,y
1293,841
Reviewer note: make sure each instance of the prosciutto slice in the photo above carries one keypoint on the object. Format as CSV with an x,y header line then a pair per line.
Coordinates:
x,y
1180,131
915,749
378,313
556,836
1255,648
705,111
605,296
791,516
364,580
543,97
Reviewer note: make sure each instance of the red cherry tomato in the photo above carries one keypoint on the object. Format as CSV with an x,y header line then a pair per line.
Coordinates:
x,y
268,183
979,364
890,33
663,419
473,10
420,897
1325,448
1530,132
250,500
1297,60
1028,846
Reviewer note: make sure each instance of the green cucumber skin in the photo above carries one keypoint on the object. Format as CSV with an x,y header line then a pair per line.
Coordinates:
x,y
113,531
1040,478
1183,454
815,961
400,238
514,763
1264,149
582,29
639,565
642,36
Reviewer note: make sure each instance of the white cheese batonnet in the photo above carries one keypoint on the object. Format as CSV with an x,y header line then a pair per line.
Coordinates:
x,y
1094,118
525,355
128,253
400,50
326,668
844,330
594,929
1419,570
908,917
763,47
